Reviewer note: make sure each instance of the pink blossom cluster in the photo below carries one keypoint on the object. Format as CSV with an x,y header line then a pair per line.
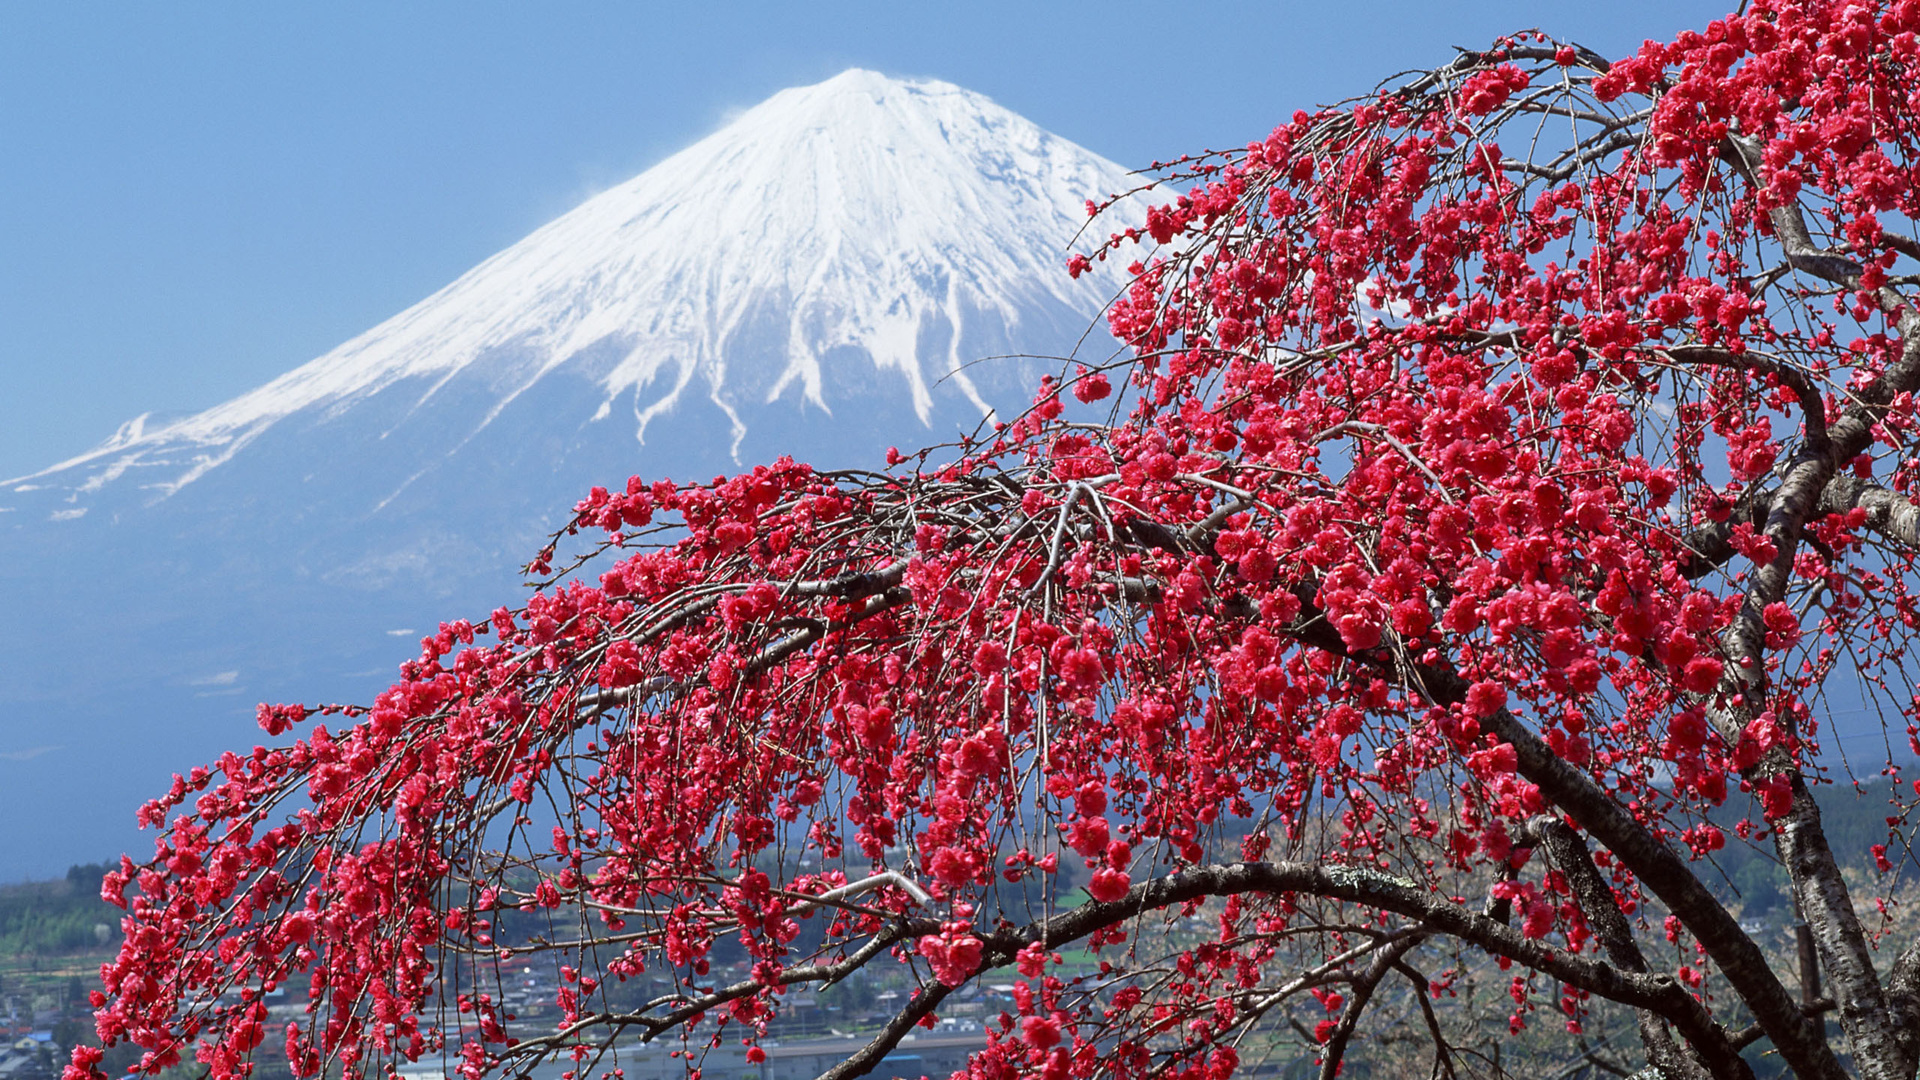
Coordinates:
x,y
1432,486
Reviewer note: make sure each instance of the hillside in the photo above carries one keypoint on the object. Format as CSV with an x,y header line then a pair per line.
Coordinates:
x,y
829,274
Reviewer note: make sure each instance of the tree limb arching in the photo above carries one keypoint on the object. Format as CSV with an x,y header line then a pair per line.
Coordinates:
x,y
1658,994
1565,578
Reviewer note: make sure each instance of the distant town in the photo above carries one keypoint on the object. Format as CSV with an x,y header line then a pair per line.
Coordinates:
x,y
55,935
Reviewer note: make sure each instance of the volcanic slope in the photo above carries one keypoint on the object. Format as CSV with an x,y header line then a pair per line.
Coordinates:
x,y
826,275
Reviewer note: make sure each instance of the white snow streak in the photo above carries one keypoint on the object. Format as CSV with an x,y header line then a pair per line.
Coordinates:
x,y
856,212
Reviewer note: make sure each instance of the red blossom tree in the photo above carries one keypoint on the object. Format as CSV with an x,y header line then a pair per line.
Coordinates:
x,y
1506,470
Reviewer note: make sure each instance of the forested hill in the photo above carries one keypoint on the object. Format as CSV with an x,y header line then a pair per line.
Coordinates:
x,y
1854,824
47,918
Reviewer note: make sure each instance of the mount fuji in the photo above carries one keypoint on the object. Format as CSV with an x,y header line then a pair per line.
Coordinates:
x,y
861,263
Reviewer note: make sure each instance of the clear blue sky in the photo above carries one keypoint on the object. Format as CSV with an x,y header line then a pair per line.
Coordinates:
x,y
197,197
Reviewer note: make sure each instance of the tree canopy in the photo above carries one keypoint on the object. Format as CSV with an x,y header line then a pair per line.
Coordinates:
x,y
1500,473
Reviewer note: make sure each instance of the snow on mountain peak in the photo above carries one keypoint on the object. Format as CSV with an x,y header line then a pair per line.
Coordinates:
x,y
915,221
842,248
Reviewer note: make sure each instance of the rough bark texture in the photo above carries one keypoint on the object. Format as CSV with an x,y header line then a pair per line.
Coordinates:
x,y
1718,1057
1824,900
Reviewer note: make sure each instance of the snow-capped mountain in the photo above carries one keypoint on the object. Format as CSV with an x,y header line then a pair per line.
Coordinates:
x,y
824,276
914,222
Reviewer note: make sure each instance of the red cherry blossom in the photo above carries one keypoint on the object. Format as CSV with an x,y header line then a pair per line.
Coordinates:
x,y
1507,468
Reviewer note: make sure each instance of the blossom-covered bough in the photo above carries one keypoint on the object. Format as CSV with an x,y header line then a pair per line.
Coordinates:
x,y
1508,469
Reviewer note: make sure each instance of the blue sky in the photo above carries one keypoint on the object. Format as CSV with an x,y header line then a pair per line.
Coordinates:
x,y
197,197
